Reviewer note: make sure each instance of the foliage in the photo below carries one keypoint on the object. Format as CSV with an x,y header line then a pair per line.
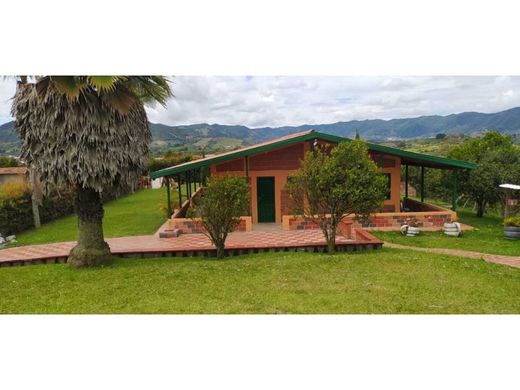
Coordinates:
x,y
331,185
170,159
8,162
222,202
12,190
16,212
382,281
512,221
498,161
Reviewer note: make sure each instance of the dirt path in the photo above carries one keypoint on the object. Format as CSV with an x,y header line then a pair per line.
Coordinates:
x,y
513,261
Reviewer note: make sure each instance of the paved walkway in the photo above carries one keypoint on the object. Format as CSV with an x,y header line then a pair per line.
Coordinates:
x,y
512,261
185,243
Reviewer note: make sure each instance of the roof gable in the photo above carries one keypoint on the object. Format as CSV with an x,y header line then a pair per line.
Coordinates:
x,y
410,158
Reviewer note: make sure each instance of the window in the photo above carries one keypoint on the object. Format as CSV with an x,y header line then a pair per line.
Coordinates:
x,y
388,185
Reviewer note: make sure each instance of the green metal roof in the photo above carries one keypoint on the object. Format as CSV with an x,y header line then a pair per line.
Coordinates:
x,y
410,158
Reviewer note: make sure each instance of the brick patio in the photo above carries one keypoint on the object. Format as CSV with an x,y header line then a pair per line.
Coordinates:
x,y
193,245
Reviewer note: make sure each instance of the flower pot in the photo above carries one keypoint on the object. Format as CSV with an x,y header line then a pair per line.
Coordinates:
x,y
512,232
452,229
410,231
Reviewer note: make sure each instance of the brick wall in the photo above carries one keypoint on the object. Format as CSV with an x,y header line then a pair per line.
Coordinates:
x,y
194,225
286,203
380,221
281,159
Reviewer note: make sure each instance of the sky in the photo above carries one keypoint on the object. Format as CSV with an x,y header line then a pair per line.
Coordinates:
x,y
259,101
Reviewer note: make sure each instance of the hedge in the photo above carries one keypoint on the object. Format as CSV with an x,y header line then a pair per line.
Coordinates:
x,y
16,208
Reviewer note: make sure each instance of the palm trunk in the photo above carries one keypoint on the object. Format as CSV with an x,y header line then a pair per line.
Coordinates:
x,y
91,249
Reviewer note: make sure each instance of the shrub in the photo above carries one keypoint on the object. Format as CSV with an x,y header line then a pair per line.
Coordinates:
x,y
16,207
8,162
221,204
512,221
11,190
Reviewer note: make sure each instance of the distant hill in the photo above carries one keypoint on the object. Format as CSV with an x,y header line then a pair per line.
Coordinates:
x,y
217,137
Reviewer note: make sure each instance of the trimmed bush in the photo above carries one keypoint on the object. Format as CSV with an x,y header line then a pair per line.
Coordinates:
x,y
16,207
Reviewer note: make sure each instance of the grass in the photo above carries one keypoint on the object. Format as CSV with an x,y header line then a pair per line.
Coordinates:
x,y
136,214
488,237
386,281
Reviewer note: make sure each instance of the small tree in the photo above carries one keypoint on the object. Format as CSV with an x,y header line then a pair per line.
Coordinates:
x,y
222,202
331,185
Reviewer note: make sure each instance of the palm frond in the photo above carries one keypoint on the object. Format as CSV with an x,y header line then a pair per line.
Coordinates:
x,y
150,88
121,99
105,83
70,86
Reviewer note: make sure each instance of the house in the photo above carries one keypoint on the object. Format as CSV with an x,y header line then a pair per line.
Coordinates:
x,y
269,165
13,174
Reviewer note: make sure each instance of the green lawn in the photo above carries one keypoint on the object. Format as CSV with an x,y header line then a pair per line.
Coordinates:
x,y
488,237
135,214
386,281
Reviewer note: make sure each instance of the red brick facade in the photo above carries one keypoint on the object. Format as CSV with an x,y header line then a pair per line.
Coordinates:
x,y
231,166
188,225
287,158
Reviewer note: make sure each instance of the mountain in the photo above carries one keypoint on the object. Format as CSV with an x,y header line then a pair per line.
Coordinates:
x,y
217,137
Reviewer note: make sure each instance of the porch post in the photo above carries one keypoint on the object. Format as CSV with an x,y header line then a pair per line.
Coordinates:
x,y
406,182
168,196
454,190
187,179
194,181
422,183
179,189
246,168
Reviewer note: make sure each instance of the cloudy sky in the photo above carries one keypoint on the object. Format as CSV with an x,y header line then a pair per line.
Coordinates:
x,y
295,100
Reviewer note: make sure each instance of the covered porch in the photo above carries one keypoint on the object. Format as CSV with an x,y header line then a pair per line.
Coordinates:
x,y
278,159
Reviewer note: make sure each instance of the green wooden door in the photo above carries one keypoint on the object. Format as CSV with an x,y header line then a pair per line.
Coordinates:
x,y
265,199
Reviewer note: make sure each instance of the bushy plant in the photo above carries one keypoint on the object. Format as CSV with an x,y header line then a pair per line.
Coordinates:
x,y
512,221
16,209
8,162
11,190
222,202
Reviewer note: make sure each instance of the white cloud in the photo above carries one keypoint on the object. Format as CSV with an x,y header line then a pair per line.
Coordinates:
x,y
7,89
295,100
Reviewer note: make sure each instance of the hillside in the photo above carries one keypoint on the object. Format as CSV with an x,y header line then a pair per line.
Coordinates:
x,y
215,137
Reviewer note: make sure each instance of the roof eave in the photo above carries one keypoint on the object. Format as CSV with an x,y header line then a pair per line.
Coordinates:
x,y
438,162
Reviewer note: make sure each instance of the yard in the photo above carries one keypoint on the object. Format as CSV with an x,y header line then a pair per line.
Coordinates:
x,y
387,281
488,237
135,214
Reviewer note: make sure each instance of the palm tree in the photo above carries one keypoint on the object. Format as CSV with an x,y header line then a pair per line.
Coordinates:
x,y
90,132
